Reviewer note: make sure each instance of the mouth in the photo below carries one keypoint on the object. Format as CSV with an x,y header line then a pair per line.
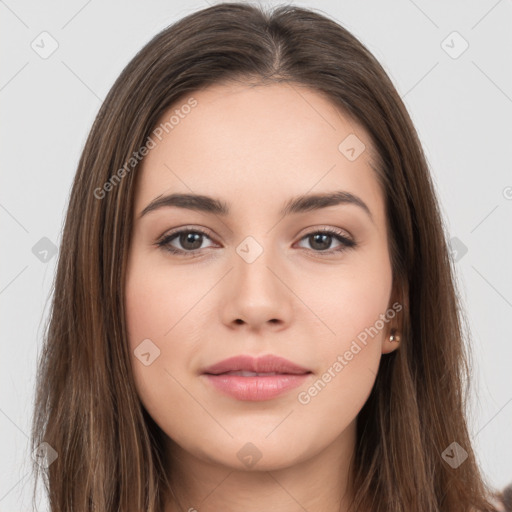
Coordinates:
x,y
255,379
268,364
246,373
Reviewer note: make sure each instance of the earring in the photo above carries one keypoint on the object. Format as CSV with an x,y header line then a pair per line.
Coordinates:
x,y
394,336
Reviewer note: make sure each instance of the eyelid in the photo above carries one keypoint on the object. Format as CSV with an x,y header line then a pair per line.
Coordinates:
x,y
326,227
186,227
176,231
307,231
346,240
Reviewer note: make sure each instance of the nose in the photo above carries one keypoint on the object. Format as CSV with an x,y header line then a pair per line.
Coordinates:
x,y
257,293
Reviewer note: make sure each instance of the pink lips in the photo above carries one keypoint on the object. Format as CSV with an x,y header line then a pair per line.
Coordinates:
x,y
237,377
263,364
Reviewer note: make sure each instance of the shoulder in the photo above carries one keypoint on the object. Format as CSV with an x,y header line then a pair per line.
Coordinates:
x,y
503,500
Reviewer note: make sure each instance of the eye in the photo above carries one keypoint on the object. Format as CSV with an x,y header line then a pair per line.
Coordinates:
x,y
321,240
191,241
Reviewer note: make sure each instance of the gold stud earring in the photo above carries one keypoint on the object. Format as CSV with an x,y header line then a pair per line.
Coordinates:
x,y
394,337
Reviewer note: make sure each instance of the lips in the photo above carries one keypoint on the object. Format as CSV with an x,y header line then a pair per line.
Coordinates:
x,y
248,366
244,373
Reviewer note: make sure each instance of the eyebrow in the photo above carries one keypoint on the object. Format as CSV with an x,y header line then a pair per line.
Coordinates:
x,y
300,204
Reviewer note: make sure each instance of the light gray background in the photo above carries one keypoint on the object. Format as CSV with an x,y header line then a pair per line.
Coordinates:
x,y
462,109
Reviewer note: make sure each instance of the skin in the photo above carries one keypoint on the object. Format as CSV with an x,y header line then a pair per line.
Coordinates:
x,y
255,148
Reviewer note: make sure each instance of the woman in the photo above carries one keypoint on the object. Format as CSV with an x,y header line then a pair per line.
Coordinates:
x,y
309,356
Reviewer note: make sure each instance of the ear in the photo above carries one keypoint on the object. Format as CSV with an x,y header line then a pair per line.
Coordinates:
x,y
396,311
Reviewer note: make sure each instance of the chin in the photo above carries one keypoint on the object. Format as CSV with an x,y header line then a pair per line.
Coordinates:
x,y
258,454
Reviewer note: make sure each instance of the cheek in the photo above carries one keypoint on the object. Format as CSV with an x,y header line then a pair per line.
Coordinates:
x,y
355,320
157,299
349,356
157,305
351,298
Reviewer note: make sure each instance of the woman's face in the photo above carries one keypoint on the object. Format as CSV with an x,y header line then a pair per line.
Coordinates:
x,y
257,280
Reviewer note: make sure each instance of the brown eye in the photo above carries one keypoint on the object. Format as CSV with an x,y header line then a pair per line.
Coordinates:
x,y
187,240
321,241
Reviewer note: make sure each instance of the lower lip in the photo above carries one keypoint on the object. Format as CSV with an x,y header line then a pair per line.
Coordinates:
x,y
256,388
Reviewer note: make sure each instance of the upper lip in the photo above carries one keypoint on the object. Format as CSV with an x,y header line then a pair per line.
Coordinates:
x,y
263,364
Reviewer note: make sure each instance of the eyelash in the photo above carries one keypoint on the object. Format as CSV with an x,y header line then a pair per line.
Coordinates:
x,y
346,243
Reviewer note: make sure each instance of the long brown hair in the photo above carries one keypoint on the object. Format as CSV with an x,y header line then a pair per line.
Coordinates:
x,y
109,450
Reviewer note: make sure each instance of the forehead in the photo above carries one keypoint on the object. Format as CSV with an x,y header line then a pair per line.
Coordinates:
x,y
267,143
